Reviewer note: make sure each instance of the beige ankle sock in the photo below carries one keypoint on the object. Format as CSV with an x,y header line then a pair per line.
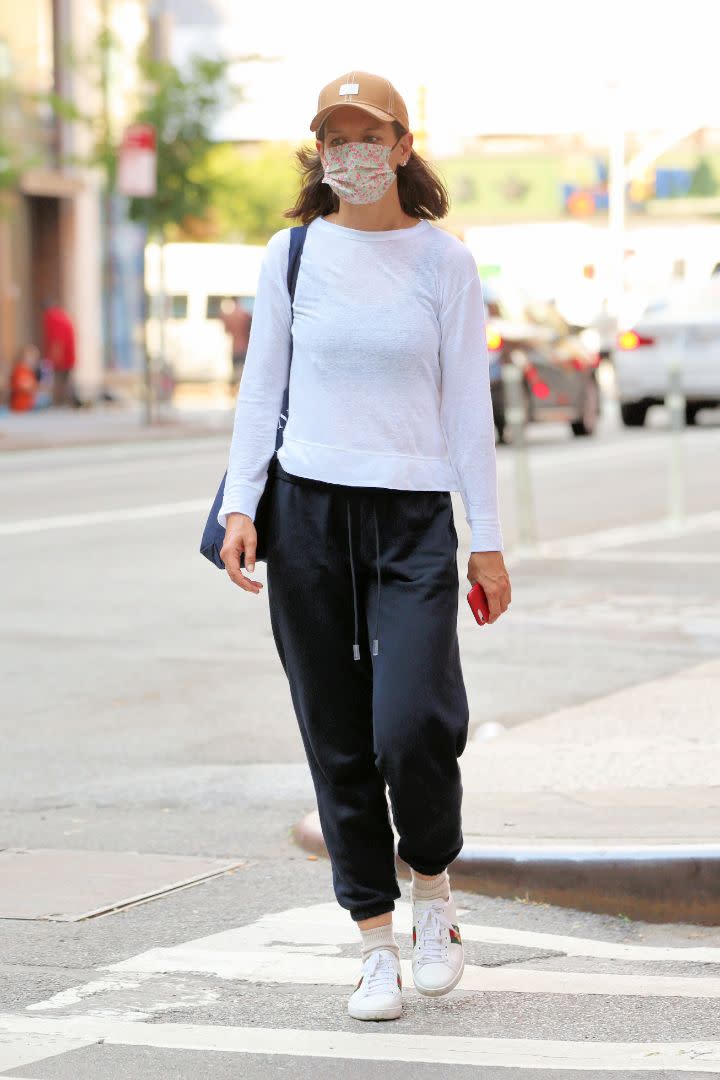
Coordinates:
x,y
437,887
379,937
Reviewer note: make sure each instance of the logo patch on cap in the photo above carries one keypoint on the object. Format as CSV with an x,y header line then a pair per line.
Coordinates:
x,y
349,88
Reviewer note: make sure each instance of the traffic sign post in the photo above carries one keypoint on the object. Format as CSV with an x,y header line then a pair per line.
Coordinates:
x,y
137,178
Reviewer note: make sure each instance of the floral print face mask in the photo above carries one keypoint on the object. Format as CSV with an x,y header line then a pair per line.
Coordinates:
x,y
359,171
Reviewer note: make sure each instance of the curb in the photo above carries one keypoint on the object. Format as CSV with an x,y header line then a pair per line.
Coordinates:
x,y
652,882
152,433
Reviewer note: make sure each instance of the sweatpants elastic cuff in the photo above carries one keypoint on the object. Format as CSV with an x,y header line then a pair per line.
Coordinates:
x,y
429,869
358,914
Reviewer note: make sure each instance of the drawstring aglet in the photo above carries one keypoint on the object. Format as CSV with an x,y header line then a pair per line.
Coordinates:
x,y
356,651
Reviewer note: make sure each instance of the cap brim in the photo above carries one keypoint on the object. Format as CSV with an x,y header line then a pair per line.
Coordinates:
x,y
379,114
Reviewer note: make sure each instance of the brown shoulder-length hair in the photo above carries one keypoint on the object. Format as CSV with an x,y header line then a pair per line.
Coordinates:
x,y
421,192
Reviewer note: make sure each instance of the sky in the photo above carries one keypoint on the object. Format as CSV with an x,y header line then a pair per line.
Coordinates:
x,y
510,66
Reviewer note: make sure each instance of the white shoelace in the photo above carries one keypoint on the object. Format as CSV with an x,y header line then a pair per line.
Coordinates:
x,y
432,927
380,972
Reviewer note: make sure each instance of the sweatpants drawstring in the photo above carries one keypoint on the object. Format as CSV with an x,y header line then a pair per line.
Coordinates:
x,y
375,645
356,644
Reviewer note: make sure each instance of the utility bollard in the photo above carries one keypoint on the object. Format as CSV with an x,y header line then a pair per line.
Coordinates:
x,y
675,403
515,417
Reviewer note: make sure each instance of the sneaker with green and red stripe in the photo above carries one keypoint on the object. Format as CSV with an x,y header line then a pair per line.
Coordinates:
x,y
438,958
378,993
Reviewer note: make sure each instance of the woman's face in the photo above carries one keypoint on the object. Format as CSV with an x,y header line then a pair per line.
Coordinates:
x,y
350,124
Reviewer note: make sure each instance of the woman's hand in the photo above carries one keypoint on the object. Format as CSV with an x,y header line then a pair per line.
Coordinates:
x,y
488,567
240,536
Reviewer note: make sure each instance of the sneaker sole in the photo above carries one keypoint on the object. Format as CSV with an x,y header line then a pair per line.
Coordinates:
x,y
378,1014
438,991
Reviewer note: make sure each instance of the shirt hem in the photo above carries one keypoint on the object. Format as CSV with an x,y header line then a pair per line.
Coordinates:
x,y
366,468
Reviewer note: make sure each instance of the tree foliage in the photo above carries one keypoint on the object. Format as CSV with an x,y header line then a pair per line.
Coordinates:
x,y
704,181
252,186
206,190
183,107
15,155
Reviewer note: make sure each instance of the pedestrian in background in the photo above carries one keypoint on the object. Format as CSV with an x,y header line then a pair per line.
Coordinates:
x,y
237,322
59,347
389,411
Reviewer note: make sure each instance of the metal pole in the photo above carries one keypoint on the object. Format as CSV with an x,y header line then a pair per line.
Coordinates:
x,y
515,418
675,402
160,23
147,357
616,197
107,197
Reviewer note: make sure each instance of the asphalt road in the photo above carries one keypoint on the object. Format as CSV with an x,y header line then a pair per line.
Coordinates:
x,y
145,710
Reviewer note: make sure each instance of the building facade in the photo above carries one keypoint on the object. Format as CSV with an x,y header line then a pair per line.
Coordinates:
x,y
52,239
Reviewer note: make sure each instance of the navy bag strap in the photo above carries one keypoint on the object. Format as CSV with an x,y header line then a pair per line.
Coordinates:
x,y
213,536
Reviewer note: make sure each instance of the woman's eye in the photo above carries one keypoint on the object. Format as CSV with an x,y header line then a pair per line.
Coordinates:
x,y
337,140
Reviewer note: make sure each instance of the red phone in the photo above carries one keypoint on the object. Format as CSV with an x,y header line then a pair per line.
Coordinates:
x,y
479,603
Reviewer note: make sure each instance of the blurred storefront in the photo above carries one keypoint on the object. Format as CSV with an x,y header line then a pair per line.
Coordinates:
x,y
51,205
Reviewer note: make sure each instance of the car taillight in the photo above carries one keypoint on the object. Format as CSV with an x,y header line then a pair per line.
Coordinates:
x,y
630,339
538,386
494,339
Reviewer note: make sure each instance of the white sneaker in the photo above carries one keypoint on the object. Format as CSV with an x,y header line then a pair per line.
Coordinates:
x,y
438,957
378,994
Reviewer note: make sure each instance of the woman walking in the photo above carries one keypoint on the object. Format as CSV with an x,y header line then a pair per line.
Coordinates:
x,y
389,411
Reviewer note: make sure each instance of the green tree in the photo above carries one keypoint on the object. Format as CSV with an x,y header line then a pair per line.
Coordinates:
x,y
15,157
252,187
183,107
703,179
181,104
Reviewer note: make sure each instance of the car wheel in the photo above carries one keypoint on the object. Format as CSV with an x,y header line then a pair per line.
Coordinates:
x,y
691,412
633,413
587,423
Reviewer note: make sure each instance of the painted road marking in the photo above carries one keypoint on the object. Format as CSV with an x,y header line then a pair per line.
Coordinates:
x,y
571,547
686,558
280,966
116,1005
582,544
102,517
259,953
687,1056
19,1046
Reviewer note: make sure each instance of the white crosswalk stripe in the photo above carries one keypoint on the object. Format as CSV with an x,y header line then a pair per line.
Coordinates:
x,y
377,1046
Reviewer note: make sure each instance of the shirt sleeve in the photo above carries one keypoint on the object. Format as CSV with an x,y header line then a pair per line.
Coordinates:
x,y
262,386
467,414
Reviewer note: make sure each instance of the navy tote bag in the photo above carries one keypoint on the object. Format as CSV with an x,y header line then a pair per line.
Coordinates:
x,y
213,536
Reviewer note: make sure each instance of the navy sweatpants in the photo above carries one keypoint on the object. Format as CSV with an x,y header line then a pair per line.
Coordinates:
x,y
363,596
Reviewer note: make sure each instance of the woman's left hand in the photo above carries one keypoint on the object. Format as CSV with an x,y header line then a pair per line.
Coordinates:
x,y
488,567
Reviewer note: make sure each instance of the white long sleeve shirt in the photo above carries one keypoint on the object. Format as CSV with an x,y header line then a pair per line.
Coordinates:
x,y
389,380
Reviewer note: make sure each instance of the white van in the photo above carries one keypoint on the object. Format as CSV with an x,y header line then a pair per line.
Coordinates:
x,y
198,277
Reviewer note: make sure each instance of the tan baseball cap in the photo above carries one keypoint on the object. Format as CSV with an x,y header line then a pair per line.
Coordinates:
x,y
365,91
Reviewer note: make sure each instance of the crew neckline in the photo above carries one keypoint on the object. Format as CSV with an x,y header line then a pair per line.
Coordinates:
x,y
372,234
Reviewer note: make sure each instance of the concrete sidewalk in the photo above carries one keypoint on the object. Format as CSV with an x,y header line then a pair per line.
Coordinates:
x,y
610,806
109,423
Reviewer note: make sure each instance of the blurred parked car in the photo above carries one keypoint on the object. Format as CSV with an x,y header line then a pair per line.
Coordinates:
x,y
558,360
683,324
